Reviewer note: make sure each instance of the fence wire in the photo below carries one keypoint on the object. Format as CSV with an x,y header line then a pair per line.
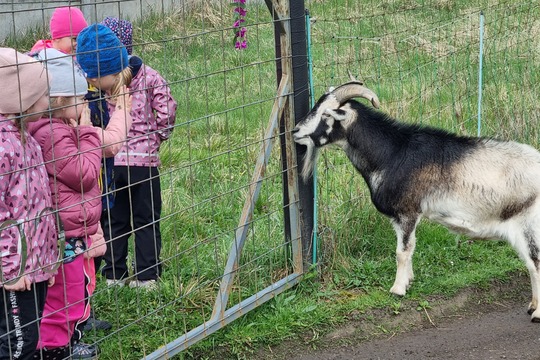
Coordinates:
x,y
420,57
224,97
422,60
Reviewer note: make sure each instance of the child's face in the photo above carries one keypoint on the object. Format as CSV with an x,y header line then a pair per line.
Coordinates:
x,y
74,108
104,83
36,111
67,45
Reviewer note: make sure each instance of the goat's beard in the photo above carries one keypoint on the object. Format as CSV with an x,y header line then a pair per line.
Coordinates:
x,y
310,160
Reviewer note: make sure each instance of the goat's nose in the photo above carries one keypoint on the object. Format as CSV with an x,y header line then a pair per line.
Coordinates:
x,y
295,130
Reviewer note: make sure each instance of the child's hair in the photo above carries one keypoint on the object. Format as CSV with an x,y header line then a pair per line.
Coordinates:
x,y
123,30
24,81
66,22
58,103
124,78
100,52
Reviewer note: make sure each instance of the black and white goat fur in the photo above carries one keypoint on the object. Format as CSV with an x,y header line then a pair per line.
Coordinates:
x,y
483,188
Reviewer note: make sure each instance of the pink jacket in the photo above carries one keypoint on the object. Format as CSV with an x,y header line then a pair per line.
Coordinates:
x,y
24,193
112,139
115,134
154,114
40,45
73,160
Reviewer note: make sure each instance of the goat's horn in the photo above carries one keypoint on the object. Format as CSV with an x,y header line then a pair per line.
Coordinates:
x,y
355,89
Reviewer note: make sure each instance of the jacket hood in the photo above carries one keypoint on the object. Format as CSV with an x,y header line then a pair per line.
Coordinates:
x,y
8,125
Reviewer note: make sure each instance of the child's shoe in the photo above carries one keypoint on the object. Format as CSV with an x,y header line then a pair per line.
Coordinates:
x,y
82,351
113,282
144,284
95,324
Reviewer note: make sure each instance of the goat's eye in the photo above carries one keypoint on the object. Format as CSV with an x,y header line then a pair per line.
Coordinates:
x,y
328,119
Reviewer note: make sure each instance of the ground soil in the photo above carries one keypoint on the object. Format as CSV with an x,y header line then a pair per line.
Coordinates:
x,y
490,323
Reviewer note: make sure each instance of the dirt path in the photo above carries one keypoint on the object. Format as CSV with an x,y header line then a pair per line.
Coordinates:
x,y
498,335
476,324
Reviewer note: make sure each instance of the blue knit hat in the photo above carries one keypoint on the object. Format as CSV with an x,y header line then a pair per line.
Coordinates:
x,y
100,52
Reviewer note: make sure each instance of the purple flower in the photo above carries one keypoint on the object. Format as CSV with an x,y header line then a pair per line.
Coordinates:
x,y
238,22
240,11
241,45
241,33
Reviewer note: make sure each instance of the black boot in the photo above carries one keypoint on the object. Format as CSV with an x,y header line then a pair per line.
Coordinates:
x,y
95,324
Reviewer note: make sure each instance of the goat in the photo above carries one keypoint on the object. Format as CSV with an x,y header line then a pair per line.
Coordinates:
x,y
483,188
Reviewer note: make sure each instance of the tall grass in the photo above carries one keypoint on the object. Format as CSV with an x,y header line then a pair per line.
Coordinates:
x,y
421,57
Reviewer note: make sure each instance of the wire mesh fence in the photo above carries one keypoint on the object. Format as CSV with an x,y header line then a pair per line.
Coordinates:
x,y
213,200
420,57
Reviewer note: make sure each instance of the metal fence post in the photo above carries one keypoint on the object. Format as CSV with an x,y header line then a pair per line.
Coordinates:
x,y
301,108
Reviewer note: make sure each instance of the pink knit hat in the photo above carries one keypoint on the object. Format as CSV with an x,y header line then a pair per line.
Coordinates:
x,y
24,81
67,21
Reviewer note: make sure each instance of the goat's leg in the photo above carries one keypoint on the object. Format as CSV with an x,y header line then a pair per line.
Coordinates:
x,y
533,264
535,285
406,242
528,248
534,273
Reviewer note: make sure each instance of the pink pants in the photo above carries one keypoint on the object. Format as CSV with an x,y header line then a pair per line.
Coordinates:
x,y
90,270
66,304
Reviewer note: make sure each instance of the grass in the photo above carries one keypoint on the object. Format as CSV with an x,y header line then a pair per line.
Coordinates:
x,y
421,58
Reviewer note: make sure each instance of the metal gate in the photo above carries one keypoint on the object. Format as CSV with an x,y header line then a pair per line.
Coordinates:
x,y
282,115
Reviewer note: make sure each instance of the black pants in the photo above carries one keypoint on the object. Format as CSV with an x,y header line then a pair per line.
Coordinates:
x,y
137,202
104,221
20,314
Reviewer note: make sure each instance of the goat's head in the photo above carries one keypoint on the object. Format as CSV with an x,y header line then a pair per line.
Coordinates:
x,y
326,122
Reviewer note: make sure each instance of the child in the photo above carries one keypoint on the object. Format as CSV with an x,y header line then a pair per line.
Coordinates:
x,y
123,29
112,61
100,117
138,194
72,151
25,198
110,106
65,24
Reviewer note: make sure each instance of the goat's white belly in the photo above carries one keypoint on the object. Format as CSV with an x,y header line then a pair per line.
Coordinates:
x,y
466,220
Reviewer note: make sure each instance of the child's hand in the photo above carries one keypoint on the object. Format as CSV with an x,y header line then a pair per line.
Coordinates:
x,y
123,101
85,115
22,284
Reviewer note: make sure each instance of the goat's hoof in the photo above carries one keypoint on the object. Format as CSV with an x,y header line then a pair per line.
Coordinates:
x,y
535,316
398,290
531,309
409,285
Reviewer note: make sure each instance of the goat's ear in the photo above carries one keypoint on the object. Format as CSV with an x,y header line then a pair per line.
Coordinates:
x,y
337,114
